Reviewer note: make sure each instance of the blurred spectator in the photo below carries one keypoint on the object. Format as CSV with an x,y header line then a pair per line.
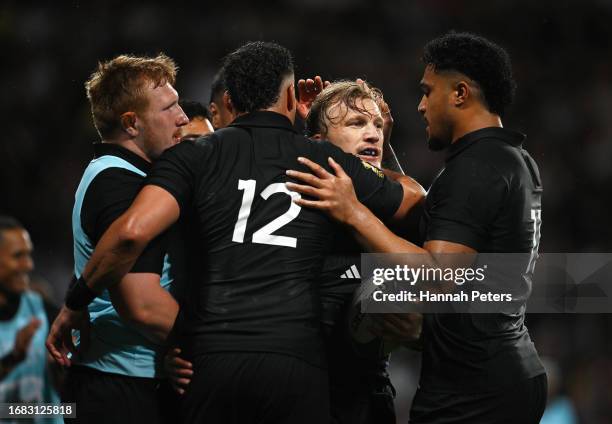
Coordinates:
x,y
24,375
560,409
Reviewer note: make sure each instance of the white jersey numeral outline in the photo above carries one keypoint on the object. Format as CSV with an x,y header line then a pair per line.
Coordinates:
x,y
264,234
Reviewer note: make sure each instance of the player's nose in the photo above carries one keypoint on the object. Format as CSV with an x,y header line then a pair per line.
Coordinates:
x,y
422,106
372,134
26,264
182,119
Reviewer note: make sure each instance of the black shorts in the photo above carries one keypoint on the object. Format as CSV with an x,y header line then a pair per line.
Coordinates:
x,y
522,403
103,398
243,388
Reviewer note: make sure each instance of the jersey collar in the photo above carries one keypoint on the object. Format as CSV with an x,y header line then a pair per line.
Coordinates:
x,y
514,138
103,149
263,119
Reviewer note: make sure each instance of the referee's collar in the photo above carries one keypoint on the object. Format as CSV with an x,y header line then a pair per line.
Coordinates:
x,y
263,119
103,149
514,138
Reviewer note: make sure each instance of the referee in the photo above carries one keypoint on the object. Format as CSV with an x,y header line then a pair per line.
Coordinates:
x,y
478,368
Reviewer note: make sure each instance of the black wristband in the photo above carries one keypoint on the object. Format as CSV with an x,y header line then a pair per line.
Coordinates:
x,y
79,295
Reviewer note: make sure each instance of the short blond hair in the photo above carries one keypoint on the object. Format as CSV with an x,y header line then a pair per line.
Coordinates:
x,y
117,86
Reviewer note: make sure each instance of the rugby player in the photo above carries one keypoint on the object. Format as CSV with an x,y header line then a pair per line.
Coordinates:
x,y
136,112
250,322
199,120
478,368
221,110
348,114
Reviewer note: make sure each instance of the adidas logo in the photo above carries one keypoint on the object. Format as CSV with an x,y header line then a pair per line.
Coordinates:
x,y
352,272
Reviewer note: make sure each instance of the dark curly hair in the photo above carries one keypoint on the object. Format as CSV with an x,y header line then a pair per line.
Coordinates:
x,y
479,59
253,74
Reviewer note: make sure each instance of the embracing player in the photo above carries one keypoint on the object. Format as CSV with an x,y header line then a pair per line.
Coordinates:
x,y
250,322
477,368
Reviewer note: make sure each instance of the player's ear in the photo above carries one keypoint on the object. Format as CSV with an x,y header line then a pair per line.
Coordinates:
x,y
214,114
128,123
317,136
227,102
291,100
461,93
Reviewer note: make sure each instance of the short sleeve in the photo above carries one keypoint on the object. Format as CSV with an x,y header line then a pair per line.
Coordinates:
x,y
464,202
380,194
108,196
177,169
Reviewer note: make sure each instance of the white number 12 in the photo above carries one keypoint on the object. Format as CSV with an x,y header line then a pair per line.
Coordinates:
x,y
264,234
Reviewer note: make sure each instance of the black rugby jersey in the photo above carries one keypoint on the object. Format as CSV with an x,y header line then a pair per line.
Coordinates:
x,y
258,254
488,197
110,194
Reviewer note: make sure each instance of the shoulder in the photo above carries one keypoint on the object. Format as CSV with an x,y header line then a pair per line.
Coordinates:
x,y
33,300
497,154
478,163
321,145
205,144
32,296
466,176
111,182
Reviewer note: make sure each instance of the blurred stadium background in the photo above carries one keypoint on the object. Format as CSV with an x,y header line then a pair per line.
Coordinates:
x,y
562,62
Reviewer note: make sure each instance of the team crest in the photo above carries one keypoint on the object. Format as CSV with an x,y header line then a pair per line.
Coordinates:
x,y
373,169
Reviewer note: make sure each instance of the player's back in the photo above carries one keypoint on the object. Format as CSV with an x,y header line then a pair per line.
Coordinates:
x,y
257,290
255,253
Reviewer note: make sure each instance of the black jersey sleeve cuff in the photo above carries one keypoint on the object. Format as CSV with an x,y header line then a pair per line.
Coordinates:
x,y
455,232
151,260
385,202
162,183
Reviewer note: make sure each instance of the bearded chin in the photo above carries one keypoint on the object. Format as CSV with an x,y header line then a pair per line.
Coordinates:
x,y
436,143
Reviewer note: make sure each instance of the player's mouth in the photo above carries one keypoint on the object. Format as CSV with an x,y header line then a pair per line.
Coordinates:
x,y
176,137
370,154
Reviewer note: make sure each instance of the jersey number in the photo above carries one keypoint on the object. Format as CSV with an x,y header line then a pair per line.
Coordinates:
x,y
264,234
536,216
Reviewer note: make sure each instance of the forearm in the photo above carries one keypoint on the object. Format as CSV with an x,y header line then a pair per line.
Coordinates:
x,y
375,236
114,256
141,301
413,195
155,319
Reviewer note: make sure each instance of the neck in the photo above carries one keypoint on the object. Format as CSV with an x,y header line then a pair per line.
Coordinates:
x,y
129,144
282,109
276,109
475,123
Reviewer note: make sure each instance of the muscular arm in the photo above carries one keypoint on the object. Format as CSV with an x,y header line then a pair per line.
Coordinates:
x,y
335,195
140,300
377,238
153,211
414,193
